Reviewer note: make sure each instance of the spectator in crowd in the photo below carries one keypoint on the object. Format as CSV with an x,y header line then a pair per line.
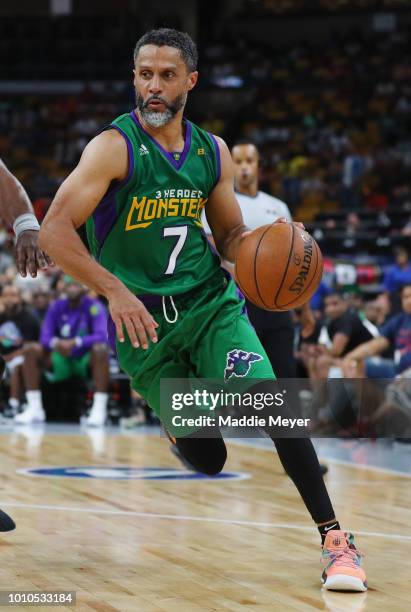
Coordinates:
x,y
383,305
355,302
345,331
395,333
73,339
406,230
18,325
399,273
40,302
396,276
352,224
374,312
354,167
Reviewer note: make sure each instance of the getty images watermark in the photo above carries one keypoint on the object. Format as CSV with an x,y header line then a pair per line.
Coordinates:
x,y
212,402
242,407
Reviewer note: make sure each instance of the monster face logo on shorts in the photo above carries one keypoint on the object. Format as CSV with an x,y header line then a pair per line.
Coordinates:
x,y
239,363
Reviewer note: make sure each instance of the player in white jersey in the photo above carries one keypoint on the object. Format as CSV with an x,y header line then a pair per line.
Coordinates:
x,y
258,208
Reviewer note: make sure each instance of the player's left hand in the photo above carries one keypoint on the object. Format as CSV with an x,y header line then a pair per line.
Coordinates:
x,y
296,223
29,258
279,220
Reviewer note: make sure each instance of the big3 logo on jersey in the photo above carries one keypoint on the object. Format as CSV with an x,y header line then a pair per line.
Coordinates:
x,y
169,203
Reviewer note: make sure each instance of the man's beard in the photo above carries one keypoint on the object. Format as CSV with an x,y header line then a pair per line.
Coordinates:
x,y
156,119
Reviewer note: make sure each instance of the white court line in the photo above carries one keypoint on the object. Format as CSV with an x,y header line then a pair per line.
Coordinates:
x,y
199,519
373,468
357,466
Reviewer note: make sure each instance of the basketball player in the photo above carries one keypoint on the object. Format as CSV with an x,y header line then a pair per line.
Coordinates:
x,y
16,210
141,185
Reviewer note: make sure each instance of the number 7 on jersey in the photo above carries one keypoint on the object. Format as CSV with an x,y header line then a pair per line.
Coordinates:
x,y
180,231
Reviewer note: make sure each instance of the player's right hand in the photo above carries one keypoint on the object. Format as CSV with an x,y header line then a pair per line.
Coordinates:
x,y
128,312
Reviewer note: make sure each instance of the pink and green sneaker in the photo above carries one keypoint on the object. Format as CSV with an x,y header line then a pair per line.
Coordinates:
x,y
343,571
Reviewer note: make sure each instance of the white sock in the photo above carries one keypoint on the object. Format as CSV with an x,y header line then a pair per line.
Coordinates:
x,y
14,402
100,401
34,400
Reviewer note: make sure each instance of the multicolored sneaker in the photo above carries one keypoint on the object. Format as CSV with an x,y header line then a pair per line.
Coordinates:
x,y
343,571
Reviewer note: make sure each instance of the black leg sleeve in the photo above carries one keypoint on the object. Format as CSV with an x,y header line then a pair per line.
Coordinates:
x,y
206,455
300,461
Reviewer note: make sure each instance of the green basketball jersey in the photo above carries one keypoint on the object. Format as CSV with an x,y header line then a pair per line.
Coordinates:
x,y
147,229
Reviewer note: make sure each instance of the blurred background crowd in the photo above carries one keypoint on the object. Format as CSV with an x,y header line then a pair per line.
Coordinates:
x,y
322,88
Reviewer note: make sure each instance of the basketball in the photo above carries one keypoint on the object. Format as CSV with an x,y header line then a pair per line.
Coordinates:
x,y
278,266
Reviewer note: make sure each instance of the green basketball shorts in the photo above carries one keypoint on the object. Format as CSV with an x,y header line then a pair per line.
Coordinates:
x,y
212,338
68,367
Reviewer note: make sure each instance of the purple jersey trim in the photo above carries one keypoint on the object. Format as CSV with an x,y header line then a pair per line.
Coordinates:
x,y
241,298
210,244
105,215
218,156
111,334
187,142
238,291
117,185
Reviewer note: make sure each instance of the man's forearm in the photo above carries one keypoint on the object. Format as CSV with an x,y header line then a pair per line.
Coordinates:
x,y
229,246
59,239
14,200
369,349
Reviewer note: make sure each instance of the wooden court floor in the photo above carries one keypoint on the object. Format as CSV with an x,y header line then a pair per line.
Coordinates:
x,y
181,545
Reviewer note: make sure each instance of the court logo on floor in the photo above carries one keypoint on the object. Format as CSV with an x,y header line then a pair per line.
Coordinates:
x,y
129,473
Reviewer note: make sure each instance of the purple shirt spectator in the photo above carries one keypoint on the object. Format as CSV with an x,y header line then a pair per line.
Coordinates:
x,y
87,323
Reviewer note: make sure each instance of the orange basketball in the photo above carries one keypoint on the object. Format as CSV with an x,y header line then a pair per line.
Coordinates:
x,y
278,266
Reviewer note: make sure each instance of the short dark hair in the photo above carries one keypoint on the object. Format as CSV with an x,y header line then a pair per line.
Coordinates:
x,y
167,37
404,287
